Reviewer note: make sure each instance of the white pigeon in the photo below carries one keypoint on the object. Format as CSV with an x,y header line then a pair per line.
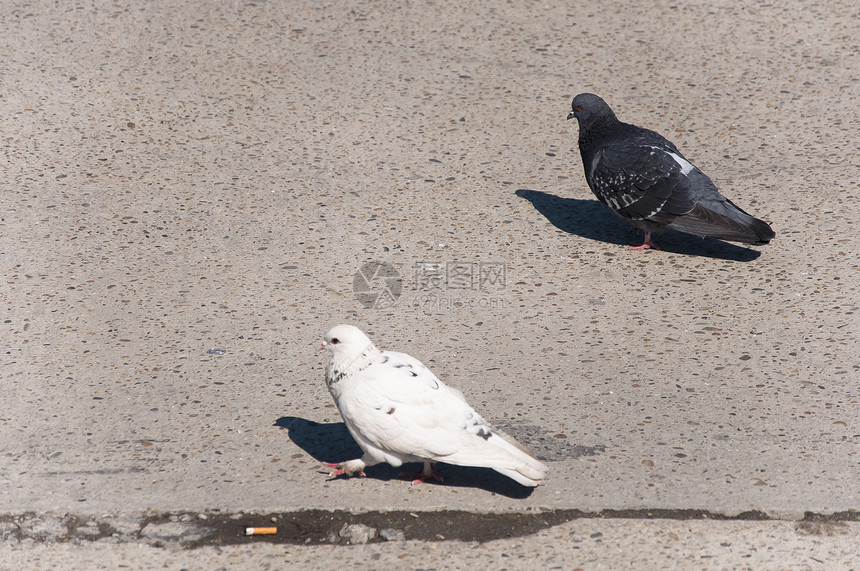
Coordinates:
x,y
398,411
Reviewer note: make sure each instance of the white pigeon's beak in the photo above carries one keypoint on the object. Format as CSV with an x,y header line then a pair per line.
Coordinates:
x,y
322,346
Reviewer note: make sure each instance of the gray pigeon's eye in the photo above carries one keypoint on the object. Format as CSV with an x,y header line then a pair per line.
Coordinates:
x,y
335,341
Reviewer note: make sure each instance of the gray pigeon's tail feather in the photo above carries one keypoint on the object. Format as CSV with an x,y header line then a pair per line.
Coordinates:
x,y
724,221
763,230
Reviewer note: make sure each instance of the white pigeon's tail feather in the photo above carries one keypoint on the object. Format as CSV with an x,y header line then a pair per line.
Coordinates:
x,y
501,453
519,477
530,470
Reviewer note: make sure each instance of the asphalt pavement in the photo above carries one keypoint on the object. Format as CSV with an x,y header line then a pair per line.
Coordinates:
x,y
193,192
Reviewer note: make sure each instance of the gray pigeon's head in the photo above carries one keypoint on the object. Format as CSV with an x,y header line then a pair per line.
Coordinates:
x,y
588,108
345,341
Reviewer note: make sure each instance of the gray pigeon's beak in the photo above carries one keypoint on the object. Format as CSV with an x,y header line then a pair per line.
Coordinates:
x,y
571,115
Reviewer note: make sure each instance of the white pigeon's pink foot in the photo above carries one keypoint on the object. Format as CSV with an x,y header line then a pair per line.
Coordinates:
x,y
421,477
343,469
646,244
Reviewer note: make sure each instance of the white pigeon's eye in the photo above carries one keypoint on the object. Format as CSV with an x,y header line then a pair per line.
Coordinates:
x,y
335,341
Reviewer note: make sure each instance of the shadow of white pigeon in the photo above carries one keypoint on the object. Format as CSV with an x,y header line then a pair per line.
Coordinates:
x,y
398,411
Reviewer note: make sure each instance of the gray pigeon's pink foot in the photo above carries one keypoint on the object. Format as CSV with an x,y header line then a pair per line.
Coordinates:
x,y
646,244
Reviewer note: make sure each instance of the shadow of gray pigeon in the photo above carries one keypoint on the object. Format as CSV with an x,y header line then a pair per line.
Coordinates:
x,y
591,220
643,178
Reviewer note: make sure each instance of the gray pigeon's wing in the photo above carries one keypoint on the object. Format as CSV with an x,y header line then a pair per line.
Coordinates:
x,y
639,180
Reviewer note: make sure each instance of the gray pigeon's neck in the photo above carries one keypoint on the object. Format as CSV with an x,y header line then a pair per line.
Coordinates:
x,y
349,365
599,128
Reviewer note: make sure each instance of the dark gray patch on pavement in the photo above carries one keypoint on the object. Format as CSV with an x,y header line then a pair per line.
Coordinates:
x,y
320,527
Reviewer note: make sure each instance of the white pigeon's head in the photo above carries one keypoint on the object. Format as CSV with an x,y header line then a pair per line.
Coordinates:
x,y
345,341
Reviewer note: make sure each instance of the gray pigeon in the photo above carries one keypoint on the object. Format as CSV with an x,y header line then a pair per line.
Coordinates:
x,y
644,179
398,411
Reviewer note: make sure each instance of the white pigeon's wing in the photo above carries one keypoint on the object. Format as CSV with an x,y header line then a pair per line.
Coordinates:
x,y
417,371
399,406
402,409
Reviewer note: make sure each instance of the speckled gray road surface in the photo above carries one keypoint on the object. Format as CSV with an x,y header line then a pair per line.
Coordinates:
x,y
190,189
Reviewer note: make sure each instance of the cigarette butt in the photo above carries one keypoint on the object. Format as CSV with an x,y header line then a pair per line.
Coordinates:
x,y
261,530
